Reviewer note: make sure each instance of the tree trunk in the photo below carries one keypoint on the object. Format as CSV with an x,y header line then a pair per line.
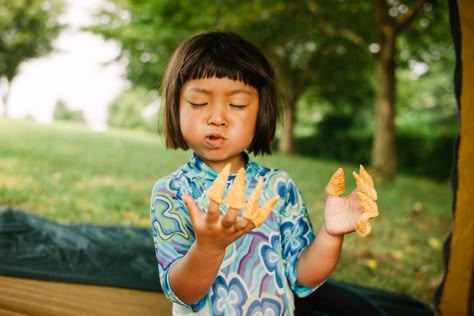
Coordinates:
x,y
383,148
6,97
287,143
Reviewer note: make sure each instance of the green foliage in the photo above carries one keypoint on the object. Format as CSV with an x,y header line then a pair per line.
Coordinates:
x,y
135,108
70,174
63,113
320,46
427,102
428,39
149,31
27,29
428,155
322,51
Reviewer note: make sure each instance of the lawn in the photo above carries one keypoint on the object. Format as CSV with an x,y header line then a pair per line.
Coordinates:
x,y
70,174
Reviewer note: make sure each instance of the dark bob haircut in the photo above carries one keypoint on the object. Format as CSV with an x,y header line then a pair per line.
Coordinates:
x,y
221,55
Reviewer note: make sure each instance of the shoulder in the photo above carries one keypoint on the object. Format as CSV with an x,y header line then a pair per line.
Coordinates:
x,y
171,183
275,179
268,172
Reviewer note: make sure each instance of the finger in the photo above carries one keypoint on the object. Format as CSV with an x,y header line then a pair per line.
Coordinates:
x,y
229,218
193,209
244,224
212,212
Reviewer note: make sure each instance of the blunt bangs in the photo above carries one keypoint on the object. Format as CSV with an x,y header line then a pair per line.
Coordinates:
x,y
223,60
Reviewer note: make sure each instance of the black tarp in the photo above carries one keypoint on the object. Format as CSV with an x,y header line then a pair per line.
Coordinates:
x,y
33,247
37,248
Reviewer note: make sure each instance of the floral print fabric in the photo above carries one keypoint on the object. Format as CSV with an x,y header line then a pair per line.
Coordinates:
x,y
258,273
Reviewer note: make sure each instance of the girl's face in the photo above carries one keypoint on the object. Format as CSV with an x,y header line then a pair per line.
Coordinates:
x,y
218,118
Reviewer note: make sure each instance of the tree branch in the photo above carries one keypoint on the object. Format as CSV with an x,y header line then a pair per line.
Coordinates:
x,y
408,17
346,34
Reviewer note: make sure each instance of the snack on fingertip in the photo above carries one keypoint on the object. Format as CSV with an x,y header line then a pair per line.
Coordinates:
x,y
362,226
365,175
365,187
367,205
257,215
260,215
235,197
216,190
336,185
252,203
367,196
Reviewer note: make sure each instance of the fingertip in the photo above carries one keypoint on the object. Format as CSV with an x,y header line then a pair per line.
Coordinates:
x,y
188,201
245,224
186,198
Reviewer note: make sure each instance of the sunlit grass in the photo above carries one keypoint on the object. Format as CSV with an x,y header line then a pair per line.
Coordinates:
x,y
73,175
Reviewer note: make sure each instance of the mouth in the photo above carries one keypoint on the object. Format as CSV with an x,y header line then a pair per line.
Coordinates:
x,y
214,139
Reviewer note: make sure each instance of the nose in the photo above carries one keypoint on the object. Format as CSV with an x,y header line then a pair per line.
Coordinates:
x,y
217,116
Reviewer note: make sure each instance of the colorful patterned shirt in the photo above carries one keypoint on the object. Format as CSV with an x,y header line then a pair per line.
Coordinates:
x,y
258,272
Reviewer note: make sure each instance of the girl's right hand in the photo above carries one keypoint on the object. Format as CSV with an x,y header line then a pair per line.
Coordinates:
x,y
214,231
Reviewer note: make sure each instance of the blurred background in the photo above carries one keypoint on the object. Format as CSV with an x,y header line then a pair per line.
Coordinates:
x,y
367,82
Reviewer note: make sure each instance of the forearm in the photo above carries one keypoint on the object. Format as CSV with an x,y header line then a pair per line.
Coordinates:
x,y
192,276
320,258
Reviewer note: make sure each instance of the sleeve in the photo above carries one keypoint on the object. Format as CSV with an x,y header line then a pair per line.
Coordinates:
x,y
296,231
172,232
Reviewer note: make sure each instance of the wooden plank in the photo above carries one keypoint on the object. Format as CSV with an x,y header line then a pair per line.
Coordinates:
x,y
22,296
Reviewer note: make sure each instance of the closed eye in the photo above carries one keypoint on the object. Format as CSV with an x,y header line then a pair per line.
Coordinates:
x,y
238,105
196,105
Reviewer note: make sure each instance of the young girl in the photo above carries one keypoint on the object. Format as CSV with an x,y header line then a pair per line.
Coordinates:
x,y
220,101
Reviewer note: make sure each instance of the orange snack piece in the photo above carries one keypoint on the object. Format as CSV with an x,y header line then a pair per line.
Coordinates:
x,y
362,225
365,187
367,196
252,203
365,175
367,205
216,190
336,185
261,214
235,198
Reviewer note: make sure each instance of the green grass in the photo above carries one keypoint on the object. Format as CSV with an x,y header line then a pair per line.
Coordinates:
x,y
70,174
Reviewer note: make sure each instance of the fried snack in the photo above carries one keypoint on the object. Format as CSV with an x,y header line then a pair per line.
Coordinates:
x,y
367,196
362,225
261,214
367,205
336,185
364,175
252,203
255,214
365,187
235,198
216,190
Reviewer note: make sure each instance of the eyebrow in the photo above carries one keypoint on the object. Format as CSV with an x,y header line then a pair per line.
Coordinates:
x,y
231,92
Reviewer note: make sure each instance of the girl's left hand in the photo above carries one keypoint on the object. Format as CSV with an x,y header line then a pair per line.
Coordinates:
x,y
341,213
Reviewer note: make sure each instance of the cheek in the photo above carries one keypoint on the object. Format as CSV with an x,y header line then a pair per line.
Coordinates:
x,y
185,121
254,120
249,125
